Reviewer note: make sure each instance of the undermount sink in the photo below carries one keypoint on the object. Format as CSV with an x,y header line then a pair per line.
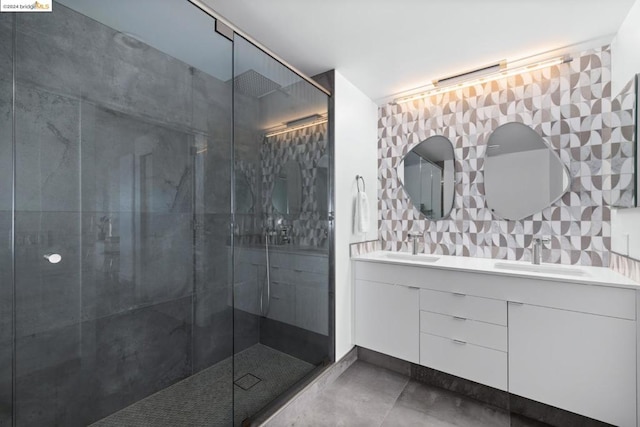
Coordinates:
x,y
535,268
410,257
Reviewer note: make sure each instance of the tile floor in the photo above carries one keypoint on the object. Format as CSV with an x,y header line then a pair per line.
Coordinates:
x,y
371,396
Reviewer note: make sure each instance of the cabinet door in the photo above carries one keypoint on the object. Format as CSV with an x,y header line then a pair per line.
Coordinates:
x,y
387,319
311,309
583,363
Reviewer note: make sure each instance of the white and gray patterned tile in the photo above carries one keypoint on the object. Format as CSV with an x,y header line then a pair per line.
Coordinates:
x,y
570,106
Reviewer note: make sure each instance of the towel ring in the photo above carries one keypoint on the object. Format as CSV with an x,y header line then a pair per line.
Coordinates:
x,y
358,179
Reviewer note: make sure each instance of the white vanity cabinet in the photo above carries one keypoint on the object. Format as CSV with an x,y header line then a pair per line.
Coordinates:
x,y
580,362
299,293
300,290
568,342
387,319
465,336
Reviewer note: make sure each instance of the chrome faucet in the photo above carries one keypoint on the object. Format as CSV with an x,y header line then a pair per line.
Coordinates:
x,y
536,247
285,235
414,240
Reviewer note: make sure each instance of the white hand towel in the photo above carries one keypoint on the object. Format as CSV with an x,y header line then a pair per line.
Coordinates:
x,y
362,212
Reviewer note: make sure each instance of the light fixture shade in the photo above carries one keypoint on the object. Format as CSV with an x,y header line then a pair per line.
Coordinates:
x,y
470,75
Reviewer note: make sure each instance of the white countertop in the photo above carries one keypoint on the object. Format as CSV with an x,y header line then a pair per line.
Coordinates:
x,y
289,248
574,273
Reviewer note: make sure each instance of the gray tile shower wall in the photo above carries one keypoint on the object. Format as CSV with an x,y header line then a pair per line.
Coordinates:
x,y
571,107
123,166
73,375
6,172
306,146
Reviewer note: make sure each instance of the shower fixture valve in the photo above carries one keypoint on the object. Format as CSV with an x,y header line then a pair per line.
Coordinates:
x,y
285,235
53,258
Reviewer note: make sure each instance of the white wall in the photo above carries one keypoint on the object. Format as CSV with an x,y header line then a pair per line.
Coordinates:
x,y
356,153
625,55
625,62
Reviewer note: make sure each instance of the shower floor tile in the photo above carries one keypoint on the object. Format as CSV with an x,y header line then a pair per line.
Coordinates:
x,y
247,381
204,399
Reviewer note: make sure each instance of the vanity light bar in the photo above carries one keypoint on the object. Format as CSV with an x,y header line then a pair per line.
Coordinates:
x,y
473,74
286,129
506,72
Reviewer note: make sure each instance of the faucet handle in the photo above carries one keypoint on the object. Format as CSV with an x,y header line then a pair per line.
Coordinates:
x,y
542,239
414,238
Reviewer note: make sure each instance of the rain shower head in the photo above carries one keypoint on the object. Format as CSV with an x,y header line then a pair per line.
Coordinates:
x,y
252,83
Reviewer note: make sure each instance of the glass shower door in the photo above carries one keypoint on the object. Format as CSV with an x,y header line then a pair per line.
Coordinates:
x,y
6,202
125,295
122,152
281,263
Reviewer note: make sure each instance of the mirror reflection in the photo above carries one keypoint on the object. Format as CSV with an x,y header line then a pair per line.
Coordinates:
x,y
287,189
427,174
322,179
244,194
523,175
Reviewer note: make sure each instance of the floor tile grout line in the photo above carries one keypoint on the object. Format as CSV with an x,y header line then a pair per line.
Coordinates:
x,y
406,384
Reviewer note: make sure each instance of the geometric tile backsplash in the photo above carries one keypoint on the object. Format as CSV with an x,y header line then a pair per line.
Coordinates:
x,y
307,147
570,105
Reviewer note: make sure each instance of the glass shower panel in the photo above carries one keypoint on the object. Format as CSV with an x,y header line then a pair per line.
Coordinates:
x,y
6,196
281,292
123,168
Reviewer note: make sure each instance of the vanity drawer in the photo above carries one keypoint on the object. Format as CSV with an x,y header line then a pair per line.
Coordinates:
x,y
462,305
280,260
389,273
470,331
311,264
480,364
282,303
281,275
317,280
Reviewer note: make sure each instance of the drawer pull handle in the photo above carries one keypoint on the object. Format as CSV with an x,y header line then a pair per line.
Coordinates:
x,y
413,287
459,342
255,263
275,267
275,282
459,294
516,303
459,318
274,297
298,270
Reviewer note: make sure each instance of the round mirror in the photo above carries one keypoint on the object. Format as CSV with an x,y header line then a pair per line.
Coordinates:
x,y
427,173
287,189
522,174
244,194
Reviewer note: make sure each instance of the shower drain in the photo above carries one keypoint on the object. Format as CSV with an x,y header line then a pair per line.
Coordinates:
x,y
247,381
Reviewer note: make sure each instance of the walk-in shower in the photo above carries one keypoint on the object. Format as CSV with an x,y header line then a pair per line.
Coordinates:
x,y
145,160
